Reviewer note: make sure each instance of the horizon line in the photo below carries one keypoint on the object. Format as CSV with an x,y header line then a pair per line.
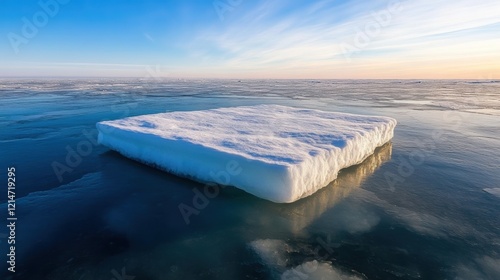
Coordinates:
x,y
218,78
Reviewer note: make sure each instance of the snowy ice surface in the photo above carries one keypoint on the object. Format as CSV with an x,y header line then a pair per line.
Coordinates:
x,y
275,152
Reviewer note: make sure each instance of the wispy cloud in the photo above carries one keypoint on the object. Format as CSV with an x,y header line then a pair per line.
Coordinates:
x,y
457,33
274,39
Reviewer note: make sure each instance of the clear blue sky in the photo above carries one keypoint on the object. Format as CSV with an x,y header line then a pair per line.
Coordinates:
x,y
251,39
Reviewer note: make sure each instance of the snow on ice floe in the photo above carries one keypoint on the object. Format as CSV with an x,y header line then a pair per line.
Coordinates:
x,y
275,152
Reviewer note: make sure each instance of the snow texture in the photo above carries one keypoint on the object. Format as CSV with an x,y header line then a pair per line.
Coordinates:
x,y
274,152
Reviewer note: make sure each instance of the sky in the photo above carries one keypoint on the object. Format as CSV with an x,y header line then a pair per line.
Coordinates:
x,y
284,39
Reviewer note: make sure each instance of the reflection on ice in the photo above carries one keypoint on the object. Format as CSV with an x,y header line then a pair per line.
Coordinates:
x,y
274,253
302,213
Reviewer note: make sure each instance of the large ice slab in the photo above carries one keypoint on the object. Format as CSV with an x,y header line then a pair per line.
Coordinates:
x,y
275,152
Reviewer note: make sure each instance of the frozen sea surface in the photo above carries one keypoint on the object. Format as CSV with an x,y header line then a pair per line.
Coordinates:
x,y
425,206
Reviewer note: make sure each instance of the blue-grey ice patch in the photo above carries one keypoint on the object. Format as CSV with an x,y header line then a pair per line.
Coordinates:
x,y
493,191
275,255
314,270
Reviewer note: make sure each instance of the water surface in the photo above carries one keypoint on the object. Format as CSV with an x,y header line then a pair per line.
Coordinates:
x,y
425,206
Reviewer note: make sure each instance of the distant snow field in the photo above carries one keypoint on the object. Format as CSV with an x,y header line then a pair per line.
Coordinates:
x,y
274,152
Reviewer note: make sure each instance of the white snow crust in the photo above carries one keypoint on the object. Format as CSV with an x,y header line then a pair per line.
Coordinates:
x,y
274,152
